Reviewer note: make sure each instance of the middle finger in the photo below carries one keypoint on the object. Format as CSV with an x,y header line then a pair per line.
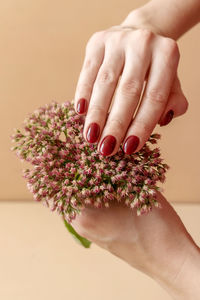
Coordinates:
x,y
103,90
137,61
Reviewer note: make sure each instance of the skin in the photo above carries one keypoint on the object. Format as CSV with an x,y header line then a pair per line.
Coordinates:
x,y
136,55
141,50
147,244
121,60
139,56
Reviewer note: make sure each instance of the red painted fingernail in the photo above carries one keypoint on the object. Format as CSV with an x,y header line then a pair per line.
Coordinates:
x,y
168,117
81,106
131,144
107,145
93,133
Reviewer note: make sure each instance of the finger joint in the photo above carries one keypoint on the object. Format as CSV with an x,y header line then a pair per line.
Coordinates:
x,y
156,97
107,77
131,87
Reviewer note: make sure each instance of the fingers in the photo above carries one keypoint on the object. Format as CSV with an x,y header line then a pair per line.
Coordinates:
x,y
177,104
92,62
127,97
139,56
155,97
102,93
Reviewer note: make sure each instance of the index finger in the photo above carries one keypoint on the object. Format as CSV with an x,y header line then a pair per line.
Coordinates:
x,y
93,59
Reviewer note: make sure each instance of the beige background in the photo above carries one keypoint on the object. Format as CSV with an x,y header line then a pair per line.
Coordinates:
x,y
42,46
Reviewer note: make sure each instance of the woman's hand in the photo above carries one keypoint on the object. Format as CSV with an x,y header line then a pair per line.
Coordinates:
x,y
157,243
132,64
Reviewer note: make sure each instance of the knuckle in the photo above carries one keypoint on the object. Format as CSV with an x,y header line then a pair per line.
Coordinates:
x,y
83,226
131,87
156,97
86,223
171,48
106,77
89,64
145,34
95,37
115,39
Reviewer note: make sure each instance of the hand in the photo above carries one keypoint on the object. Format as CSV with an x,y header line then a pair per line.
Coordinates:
x,y
157,244
131,63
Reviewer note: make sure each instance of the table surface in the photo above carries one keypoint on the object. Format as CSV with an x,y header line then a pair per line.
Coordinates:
x,y
39,259
41,55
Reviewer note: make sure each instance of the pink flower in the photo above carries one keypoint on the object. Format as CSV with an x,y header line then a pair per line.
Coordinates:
x,y
69,173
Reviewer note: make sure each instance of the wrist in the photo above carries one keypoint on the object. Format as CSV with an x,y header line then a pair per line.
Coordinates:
x,y
169,18
184,284
142,18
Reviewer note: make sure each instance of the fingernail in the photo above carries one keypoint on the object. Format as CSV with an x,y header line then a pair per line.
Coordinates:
x,y
81,106
131,144
107,145
93,133
168,117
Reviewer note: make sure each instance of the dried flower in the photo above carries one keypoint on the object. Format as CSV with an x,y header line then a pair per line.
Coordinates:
x,y
68,173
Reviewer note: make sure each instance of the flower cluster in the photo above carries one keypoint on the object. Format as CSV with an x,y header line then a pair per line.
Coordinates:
x,y
69,173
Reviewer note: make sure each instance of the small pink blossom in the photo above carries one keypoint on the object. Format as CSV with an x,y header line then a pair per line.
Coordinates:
x,y
69,173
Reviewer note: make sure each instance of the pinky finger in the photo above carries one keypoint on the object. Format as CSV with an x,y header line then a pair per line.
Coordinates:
x,y
177,104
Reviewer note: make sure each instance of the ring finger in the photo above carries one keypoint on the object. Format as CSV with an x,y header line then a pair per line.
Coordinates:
x,y
155,98
92,62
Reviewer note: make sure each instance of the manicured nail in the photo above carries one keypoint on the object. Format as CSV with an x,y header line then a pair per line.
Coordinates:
x,y
131,144
93,133
81,106
107,145
168,117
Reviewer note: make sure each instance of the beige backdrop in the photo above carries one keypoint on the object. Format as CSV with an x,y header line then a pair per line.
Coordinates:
x,y
42,47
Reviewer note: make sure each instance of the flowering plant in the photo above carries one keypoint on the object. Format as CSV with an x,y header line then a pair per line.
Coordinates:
x,y
68,173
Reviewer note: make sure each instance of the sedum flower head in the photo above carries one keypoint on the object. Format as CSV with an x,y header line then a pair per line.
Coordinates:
x,y
68,173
